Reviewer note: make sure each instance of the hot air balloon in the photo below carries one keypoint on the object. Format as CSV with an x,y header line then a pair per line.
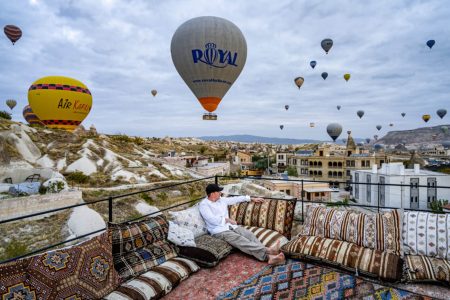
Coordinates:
x,y
403,114
281,127
326,45
299,81
391,124
344,141
349,131
324,75
346,77
60,102
378,127
312,124
154,92
426,118
375,137
11,103
441,112
209,54
286,107
338,107
430,43
367,140
30,117
360,113
313,64
13,33
444,129
334,130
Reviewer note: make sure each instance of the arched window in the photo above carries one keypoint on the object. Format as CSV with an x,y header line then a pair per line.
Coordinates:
x,y
339,164
320,163
329,164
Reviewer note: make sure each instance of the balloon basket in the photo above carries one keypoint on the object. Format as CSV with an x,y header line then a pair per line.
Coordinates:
x,y
209,116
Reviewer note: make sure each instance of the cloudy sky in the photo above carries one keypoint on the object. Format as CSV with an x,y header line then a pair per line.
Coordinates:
x,y
121,51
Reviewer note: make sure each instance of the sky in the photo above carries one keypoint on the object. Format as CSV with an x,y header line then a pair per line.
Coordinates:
x,y
121,51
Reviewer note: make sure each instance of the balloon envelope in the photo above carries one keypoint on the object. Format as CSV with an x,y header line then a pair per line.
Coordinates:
x,y
281,127
426,118
154,92
378,127
346,77
334,130
209,54
299,81
30,116
441,112
324,75
338,107
312,124
403,114
375,137
367,140
391,124
430,43
313,64
326,45
286,107
360,113
13,33
11,103
60,102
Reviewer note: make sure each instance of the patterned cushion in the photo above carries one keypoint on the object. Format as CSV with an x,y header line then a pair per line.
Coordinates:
x,y
84,271
157,282
426,234
130,237
420,268
208,252
346,255
379,231
190,218
272,214
180,236
267,237
142,260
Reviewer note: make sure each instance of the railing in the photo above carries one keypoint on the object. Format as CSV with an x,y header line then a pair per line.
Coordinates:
x,y
300,199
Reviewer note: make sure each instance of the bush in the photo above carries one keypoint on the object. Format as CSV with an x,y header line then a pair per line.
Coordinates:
x,y
77,177
42,190
55,187
5,115
437,206
147,198
292,171
14,248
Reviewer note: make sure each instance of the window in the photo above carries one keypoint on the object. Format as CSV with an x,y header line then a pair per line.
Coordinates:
x,y
363,163
369,189
431,190
280,156
348,173
356,185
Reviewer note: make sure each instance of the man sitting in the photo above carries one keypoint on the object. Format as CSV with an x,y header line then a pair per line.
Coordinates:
x,y
214,210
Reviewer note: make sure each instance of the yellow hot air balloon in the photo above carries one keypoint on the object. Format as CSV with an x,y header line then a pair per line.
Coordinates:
x,y
209,54
346,77
154,92
299,81
426,118
60,102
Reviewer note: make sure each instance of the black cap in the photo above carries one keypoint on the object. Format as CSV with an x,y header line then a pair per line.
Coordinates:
x,y
211,188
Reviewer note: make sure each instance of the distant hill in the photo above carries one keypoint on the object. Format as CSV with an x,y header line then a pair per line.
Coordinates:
x,y
419,135
245,138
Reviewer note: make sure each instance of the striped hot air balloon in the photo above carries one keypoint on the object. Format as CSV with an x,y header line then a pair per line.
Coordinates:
x,y
30,116
13,33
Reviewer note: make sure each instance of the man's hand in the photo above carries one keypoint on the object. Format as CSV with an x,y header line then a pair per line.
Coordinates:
x,y
231,221
257,200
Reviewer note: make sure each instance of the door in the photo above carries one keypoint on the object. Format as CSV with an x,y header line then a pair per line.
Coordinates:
x,y
414,193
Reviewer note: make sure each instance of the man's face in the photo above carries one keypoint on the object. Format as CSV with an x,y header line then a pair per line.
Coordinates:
x,y
214,196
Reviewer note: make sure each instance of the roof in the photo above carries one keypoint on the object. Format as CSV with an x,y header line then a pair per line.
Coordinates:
x,y
318,189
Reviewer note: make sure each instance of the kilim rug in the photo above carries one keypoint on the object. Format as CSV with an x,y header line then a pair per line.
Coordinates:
x,y
298,280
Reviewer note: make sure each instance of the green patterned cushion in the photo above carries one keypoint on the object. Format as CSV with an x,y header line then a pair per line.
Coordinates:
x,y
271,214
420,268
347,255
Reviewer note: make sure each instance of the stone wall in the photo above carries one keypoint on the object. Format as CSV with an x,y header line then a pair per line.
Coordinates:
x,y
21,206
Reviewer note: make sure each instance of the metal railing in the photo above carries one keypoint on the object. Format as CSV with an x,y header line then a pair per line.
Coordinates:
x,y
300,199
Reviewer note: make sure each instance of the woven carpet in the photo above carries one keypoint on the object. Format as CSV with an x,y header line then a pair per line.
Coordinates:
x,y
298,280
209,283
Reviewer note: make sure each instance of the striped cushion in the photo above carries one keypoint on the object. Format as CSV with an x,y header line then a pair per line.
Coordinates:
x,y
379,231
156,283
347,255
421,268
140,261
130,237
267,237
272,214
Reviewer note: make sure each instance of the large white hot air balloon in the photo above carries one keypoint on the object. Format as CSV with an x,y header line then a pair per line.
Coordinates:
x,y
209,54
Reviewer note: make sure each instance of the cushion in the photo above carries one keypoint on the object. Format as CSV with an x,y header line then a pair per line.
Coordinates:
x,y
420,268
272,214
208,251
379,231
155,283
347,255
267,237
180,236
190,218
137,262
83,271
132,236
426,234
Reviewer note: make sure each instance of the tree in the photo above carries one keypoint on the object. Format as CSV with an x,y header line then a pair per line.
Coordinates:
x,y
292,171
5,115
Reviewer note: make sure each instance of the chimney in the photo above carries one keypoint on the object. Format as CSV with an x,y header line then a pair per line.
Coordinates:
x,y
374,169
416,169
